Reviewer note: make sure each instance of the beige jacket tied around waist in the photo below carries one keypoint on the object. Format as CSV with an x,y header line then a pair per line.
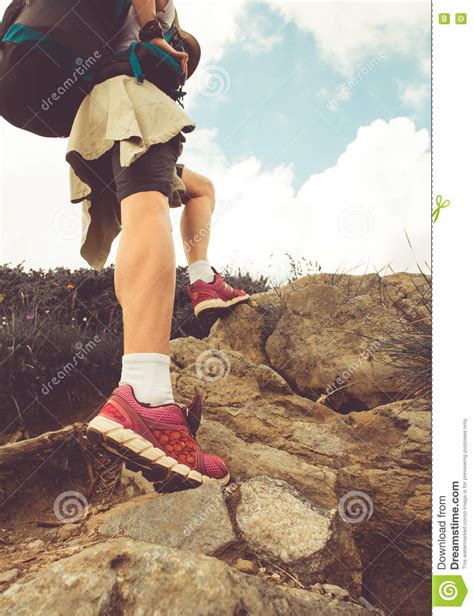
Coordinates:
x,y
137,115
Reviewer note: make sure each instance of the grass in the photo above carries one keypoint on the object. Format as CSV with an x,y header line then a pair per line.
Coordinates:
x,y
61,339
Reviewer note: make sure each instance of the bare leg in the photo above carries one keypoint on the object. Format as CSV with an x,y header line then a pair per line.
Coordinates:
x,y
145,283
196,217
145,273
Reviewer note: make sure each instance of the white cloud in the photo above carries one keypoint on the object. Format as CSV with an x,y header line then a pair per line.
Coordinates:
x,y
415,95
348,32
352,215
258,37
214,23
380,187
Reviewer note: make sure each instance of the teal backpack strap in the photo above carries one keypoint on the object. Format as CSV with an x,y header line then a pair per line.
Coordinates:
x,y
48,45
169,38
164,57
135,63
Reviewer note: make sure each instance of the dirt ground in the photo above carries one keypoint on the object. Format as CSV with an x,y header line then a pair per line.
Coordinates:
x,y
47,512
33,530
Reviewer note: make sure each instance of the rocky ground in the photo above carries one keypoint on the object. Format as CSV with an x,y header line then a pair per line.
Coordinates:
x,y
325,423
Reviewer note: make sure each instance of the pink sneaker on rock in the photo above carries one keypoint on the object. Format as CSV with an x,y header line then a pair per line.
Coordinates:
x,y
159,441
214,297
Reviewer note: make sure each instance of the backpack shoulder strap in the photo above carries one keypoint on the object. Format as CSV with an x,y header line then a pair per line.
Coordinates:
x,y
10,15
48,45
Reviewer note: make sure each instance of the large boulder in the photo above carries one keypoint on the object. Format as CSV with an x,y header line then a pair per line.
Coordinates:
x,y
330,335
196,520
394,482
122,576
281,526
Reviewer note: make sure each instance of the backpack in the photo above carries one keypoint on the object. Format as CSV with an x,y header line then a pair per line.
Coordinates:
x,y
53,52
146,61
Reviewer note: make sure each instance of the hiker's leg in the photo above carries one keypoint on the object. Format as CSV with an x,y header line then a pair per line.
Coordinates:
x,y
129,421
199,204
145,273
208,290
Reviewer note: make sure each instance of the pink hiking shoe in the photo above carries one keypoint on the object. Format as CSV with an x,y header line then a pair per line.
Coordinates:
x,y
214,297
159,441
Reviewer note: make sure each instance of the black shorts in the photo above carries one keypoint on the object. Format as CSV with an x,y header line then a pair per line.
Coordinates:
x,y
152,171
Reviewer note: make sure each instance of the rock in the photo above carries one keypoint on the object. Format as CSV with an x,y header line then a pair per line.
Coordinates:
x,y
135,484
395,481
279,525
331,589
257,413
131,577
195,520
370,607
7,577
336,591
35,545
227,333
326,349
67,531
326,333
250,459
246,566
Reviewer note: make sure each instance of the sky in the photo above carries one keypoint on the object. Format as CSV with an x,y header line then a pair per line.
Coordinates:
x,y
313,121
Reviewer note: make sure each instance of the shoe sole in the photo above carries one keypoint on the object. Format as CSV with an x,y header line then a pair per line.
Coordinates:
x,y
216,306
140,454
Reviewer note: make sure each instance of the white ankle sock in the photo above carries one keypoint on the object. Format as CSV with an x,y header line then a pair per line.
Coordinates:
x,y
200,270
149,375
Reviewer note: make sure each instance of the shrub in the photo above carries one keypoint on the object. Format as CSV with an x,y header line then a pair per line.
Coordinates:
x,y
61,340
